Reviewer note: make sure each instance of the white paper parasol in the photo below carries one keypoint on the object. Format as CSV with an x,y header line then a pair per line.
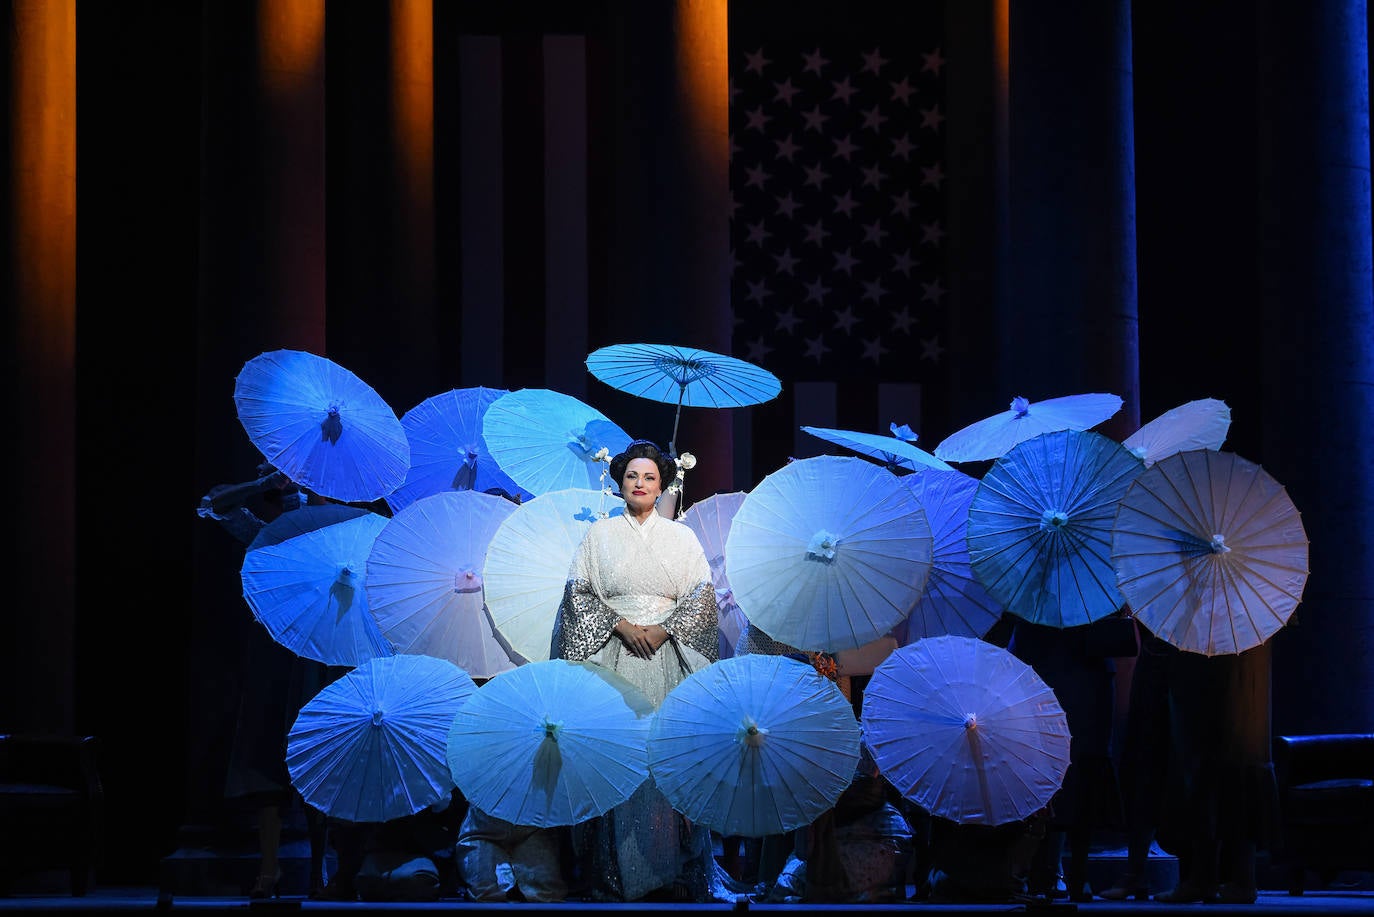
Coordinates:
x,y
1210,552
424,579
828,553
528,562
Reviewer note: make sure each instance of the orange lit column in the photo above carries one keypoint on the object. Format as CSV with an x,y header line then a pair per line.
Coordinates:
x,y
40,447
665,89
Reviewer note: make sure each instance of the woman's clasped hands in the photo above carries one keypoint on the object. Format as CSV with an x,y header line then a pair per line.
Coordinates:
x,y
643,640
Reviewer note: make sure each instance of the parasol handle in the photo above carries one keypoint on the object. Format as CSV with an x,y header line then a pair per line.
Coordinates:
x,y
672,441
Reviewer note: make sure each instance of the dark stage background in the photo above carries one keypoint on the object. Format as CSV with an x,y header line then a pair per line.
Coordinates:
x,y
1167,201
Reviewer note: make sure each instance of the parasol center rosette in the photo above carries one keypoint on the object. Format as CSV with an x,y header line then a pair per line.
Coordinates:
x,y
822,546
552,728
467,581
1218,544
332,426
1020,406
1053,520
378,719
751,734
971,721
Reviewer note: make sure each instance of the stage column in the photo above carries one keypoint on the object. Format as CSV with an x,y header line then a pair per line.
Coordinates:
x,y
1318,326
1067,312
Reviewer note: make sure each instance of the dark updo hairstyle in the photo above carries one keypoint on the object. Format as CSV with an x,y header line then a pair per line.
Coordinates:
x,y
643,448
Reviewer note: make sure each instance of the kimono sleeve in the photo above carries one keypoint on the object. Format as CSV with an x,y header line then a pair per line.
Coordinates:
x,y
584,622
696,619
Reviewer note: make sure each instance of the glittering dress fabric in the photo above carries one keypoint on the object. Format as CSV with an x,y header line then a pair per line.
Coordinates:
x,y
654,573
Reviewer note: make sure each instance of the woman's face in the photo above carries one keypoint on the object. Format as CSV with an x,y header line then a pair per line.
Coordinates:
x,y
641,486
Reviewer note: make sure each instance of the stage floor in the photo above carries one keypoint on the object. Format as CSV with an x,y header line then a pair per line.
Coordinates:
x,y
109,900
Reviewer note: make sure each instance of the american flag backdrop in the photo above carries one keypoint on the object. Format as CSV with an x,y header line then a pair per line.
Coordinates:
x,y
838,220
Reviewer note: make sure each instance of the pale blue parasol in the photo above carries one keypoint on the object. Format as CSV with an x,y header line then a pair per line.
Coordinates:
x,y
710,519
321,426
551,743
424,579
684,376
447,451
953,602
545,440
965,730
1040,527
310,592
754,745
370,746
992,437
1200,424
828,553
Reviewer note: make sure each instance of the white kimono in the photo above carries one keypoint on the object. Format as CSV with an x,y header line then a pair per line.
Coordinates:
x,y
654,573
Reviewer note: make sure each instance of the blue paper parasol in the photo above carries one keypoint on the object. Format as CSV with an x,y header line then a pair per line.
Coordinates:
x,y
310,592
424,579
545,440
551,743
954,602
321,426
1040,527
683,376
447,451
370,746
754,745
966,730
992,437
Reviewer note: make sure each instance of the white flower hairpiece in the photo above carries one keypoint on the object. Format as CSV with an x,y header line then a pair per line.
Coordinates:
x,y
685,462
